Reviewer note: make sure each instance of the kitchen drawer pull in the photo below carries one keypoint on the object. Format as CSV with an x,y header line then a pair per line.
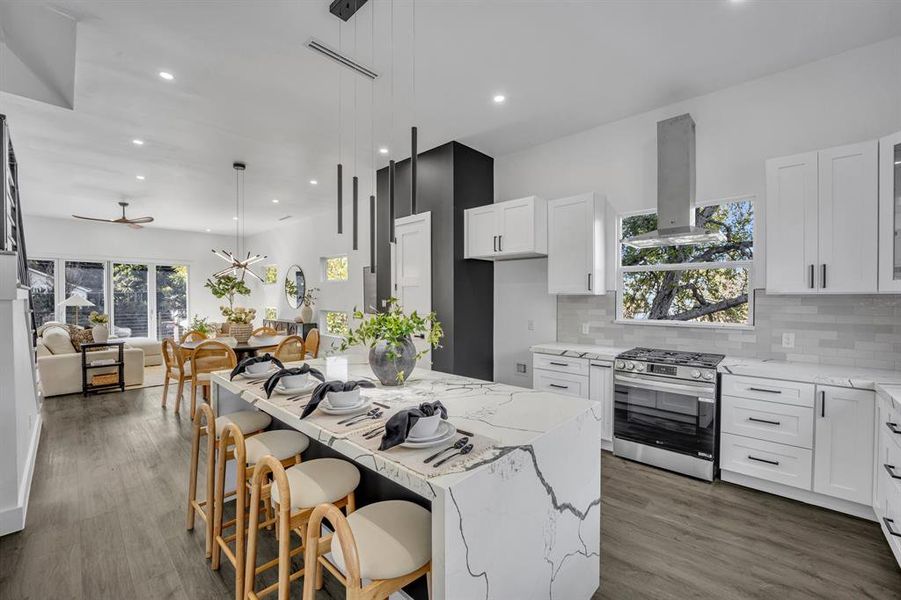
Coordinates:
x,y
558,386
823,279
811,277
891,471
589,282
893,427
558,364
763,460
888,525
495,243
500,243
756,420
823,404
757,389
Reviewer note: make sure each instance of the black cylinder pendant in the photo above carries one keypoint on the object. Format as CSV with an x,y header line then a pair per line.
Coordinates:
x,y
372,234
413,153
391,201
340,202
356,210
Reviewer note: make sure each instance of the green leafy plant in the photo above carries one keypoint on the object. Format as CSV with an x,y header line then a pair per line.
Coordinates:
x,y
98,318
239,315
200,324
309,296
393,327
227,286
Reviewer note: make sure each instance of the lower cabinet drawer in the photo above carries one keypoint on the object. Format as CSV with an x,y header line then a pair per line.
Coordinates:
x,y
561,364
561,383
779,463
770,421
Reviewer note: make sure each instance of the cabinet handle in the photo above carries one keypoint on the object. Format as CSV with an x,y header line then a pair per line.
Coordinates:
x,y
558,364
559,387
763,460
495,243
823,404
500,243
756,389
823,277
893,427
589,282
888,525
891,471
811,277
756,420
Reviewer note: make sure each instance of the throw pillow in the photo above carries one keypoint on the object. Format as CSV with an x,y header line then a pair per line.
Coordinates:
x,y
57,340
81,336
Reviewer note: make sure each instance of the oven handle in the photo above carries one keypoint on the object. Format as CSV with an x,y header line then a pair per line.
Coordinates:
x,y
704,394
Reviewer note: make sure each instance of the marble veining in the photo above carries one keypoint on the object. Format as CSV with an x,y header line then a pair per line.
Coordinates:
x,y
841,376
578,350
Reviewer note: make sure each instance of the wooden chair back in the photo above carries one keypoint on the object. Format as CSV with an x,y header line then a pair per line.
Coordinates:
x,y
314,550
193,336
210,356
264,331
291,349
269,464
312,343
173,357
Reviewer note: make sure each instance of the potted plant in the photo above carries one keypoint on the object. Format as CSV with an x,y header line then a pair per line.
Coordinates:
x,y
200,324
389,335
308,300
100,331
228,287
240,321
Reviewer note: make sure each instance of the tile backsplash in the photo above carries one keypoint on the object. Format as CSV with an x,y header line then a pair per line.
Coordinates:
x,y
843,330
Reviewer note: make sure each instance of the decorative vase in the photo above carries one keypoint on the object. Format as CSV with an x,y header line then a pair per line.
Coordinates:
x,y
389,361
240,331
306,313
100,333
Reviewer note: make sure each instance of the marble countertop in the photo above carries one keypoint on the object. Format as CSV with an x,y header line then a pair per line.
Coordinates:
x,y
838,375
574,350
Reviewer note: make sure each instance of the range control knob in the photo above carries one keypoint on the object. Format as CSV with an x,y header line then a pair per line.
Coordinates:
x,y
620,364
695,373
630,365
708,375
640,367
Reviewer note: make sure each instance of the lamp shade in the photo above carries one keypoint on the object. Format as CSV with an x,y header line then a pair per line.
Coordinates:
x,y
76,300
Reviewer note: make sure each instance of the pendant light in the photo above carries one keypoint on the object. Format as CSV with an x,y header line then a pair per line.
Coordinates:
x,y
372,147
391,170
356,181
413,131
236,265
340,166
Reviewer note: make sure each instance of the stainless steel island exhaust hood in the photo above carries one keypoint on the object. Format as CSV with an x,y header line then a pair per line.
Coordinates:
x,y
675,189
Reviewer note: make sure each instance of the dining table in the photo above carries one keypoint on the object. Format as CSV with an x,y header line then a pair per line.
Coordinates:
x,y
242,350
517,517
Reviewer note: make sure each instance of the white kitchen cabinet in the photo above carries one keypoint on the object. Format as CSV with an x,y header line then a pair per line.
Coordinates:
x,y
601,390
890,213
575,246
843,453
506,230
821,217
561,383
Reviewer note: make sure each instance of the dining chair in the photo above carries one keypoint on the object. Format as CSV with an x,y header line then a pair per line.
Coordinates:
x,y
178,368
264,331
291,349
193,336
312,343
207,357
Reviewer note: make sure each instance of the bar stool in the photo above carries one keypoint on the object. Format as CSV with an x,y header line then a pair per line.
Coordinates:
x,y
208,356
176,368
285,445
206,424
389,544
295,492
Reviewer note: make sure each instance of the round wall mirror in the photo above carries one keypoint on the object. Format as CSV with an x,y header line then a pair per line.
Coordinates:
x,y
295,286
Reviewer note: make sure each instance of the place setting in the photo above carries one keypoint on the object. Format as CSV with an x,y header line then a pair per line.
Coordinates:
x,y
341,407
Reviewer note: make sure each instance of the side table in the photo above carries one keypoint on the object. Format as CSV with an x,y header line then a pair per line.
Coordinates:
x,y
87,385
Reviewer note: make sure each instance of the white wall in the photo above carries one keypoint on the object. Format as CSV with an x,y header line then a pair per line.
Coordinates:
x,y
847,98
60,238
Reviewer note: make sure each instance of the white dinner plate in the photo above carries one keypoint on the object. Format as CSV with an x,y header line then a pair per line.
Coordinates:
x,y
449,432
258,376
309,387
360,407
440,432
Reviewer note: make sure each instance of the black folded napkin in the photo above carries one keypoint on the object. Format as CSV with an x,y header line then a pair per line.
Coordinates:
x,y
283,372
332,386
242,366
399,425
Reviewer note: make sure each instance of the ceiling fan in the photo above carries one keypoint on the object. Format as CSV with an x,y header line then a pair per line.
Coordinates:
x,y
133,223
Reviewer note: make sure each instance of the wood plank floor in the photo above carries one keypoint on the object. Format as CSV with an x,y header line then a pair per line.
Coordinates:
x,y
106,520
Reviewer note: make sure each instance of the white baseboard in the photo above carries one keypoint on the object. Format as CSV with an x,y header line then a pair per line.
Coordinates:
x,y
851,508
12,519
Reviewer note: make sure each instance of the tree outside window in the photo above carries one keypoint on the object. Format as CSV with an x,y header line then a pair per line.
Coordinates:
x,y
336,323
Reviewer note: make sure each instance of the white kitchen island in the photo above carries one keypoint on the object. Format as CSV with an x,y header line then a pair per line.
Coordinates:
x,y
520,520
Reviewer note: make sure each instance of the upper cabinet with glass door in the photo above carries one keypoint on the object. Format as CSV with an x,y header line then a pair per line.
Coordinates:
x,y
890,213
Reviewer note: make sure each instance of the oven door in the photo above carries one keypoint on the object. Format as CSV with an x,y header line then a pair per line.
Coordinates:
x,y
677,416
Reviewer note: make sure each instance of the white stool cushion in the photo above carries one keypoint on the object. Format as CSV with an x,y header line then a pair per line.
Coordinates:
x,y
248,421
280,443
320,480
393,538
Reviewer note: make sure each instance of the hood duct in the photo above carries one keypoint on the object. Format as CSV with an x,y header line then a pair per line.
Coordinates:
x,y
675,189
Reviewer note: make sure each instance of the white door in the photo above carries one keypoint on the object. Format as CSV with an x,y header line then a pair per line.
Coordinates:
x,y
570,245
516,226
412,272
791,224
848,212
843,447
890,213
600,381
480,230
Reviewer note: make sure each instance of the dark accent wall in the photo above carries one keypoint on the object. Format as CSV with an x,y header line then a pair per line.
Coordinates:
x,y
452,178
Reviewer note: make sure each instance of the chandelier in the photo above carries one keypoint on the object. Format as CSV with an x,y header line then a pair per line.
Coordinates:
x,y
238,267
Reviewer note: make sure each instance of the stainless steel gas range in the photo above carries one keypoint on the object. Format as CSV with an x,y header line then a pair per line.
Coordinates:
x,y
665,410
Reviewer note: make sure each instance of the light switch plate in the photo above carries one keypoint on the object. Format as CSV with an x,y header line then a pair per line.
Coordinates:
x,y
520,367
585,329
788,340
531,325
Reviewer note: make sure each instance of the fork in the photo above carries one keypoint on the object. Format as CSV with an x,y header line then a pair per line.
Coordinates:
x,y
366,417
367,413
464,450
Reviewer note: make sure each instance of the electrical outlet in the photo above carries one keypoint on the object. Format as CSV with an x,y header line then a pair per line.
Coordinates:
x,y
585,329
531,325
788,340
520,367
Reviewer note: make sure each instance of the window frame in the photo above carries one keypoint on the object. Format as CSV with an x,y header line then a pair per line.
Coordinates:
x,y
323,324
323,264
750,265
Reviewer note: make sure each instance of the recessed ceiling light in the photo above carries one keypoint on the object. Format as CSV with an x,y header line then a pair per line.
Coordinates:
x,y
167,75
208,230
314,182
137,142
383,151
275,200
139,177
234,218
499,99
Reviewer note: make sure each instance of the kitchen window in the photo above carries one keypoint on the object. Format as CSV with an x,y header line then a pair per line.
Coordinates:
x,y
706,285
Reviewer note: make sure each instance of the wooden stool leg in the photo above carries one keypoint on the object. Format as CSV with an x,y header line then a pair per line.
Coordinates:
x,y
193,397
428,583
165,389
220,501
179,393
192,482
210,500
